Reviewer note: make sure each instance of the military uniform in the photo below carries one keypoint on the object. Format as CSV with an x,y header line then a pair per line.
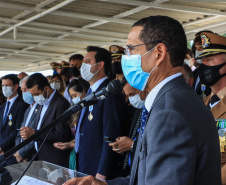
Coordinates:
x,y
219,112
214,44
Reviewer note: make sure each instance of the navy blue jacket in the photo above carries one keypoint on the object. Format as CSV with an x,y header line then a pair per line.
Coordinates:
x,y
95,155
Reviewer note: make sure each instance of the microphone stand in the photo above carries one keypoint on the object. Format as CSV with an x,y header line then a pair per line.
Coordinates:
x,y
112,88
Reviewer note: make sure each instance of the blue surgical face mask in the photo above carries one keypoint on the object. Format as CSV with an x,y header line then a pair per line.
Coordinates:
x,y
76,100
28,98
132,70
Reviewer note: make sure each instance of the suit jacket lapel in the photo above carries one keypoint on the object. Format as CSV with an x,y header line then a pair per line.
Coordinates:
x,y
35,112
38,116
136,160
1,116
207,99
219,108
170,85
25,116
103,84
12,110
54,99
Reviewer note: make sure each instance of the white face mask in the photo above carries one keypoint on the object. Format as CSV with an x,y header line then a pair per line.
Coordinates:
x,y
85,71
197,53
187,61
76,100
136,101
55,85
40,99
7,91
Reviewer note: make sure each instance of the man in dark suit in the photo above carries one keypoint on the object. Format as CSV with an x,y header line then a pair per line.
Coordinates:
x,y
178,140
11,115
53,106
94,155
30,119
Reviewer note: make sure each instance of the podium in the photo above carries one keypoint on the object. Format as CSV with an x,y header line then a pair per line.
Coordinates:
x,y
43,172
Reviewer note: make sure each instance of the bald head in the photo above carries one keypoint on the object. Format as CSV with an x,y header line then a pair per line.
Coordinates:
x,y
22,75
23,85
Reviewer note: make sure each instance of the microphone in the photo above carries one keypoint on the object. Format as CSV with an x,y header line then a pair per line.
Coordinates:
x,y
113,88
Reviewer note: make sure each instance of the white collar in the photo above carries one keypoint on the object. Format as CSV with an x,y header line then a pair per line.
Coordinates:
x,y
13,99
51,97
34,105
153,93
95,86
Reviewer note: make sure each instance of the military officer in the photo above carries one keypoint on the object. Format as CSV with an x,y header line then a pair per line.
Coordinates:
x,y
213,74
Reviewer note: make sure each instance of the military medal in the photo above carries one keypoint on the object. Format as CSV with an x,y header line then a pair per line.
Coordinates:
x,y
203,88
90,117
221,132
10,120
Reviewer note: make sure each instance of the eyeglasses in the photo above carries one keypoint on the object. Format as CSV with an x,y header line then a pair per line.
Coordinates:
x,y
128,48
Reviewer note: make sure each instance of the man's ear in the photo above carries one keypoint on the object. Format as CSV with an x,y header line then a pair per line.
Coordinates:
x,y
16,86
161,52
46,89
101,65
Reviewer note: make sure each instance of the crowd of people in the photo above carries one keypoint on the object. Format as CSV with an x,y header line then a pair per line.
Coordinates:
x,y
161,129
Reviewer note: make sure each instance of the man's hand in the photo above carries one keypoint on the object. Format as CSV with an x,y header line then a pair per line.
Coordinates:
x,y
122,144
1,151
26,132
64,146
18,157
87,180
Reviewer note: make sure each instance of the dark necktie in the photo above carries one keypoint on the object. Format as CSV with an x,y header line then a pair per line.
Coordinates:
x,y
77,135
135,133
144,117
6,113
214,99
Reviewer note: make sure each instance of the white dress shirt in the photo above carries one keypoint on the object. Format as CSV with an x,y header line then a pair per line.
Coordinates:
x,y
152,95
95,86
29,115
11,103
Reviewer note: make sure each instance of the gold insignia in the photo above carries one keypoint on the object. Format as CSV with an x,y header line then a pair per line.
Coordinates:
x,y
10,123
114,49
205,41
